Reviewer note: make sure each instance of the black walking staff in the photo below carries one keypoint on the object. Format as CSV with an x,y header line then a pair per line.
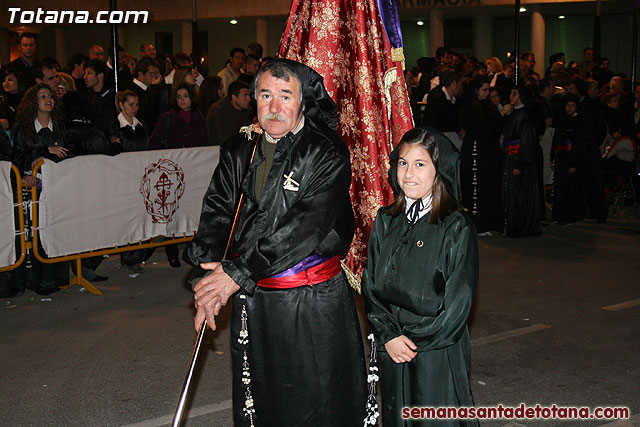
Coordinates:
x,y
177,418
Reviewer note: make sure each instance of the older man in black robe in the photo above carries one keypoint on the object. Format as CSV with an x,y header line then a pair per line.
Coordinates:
x,y
304,350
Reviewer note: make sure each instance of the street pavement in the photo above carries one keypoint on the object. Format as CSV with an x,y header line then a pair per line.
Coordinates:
x,y
556,321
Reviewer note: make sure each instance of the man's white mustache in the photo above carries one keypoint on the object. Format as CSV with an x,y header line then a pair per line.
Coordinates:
x,y
276,116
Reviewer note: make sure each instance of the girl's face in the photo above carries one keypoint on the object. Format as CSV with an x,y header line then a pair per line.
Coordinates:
x,y
514,97
570,108
183,100
190,78
130,106
614,103
45,101
483,91
10,84
416,172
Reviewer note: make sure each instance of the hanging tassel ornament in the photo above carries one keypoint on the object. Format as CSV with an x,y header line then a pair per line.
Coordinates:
x,y
372,379
243,339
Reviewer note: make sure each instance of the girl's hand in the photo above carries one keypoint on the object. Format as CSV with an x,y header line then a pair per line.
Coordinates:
x,y
58,151
401,349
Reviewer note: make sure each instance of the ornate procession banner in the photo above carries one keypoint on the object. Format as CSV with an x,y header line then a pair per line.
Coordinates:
x,y
7,222
346,42
94,202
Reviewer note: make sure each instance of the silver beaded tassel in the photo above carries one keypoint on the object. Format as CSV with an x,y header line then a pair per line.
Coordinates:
x,y
373,413
248,409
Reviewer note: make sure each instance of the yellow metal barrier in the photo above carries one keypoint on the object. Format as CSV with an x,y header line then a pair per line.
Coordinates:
x,y
78,279
21,229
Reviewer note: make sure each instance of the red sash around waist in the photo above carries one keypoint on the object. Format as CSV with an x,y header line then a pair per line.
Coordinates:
x,y
565,145
310,276
512,147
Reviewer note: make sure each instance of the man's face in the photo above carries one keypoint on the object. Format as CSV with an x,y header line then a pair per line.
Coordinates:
x,y
148,77
593,90
588,55
279,104
237,60
447,58
50,78
91,79
97,53
529,62
78,69
28,47
573,89
605,64
252,68
241,101
149,50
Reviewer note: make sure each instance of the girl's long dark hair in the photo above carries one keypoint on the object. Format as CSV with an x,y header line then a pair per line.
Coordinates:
x,y
443,203
28,111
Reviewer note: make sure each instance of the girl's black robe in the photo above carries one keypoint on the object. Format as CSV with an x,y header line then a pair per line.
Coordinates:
x,y
420,282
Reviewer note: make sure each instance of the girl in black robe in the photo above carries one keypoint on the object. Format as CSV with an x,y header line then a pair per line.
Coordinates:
x,y
520,193
567,160
480,170
420,280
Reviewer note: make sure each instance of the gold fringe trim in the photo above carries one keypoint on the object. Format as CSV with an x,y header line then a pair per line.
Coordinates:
x,y
353,279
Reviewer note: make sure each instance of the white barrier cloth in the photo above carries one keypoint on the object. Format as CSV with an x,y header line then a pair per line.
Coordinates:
x,y
7,224
95,202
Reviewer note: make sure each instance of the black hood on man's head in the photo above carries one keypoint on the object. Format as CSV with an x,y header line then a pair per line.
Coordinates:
x,y
318,105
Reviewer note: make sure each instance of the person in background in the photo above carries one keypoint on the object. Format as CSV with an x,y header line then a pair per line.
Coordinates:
x,y
480,170
227,116
520,194
181,127
210,92
39,134
127,134
13,88
233,69
567,160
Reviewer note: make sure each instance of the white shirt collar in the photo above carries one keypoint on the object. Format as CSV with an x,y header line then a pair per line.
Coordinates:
x,y
426,205
139,83
124,122
449,97
38,126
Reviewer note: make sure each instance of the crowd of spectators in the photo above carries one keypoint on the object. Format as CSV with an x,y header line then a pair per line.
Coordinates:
x,y
514,139
162,102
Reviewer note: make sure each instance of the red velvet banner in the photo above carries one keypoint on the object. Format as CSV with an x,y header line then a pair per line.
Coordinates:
x,y
345,42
